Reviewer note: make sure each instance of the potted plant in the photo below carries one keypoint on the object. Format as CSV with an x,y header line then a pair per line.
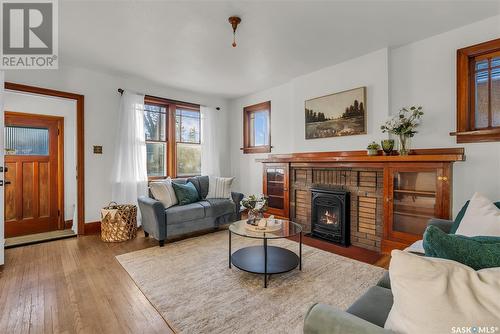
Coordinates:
x,y
256,206
387,146
373,148
403,125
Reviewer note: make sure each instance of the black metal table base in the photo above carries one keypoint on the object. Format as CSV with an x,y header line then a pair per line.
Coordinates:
x,y
265,260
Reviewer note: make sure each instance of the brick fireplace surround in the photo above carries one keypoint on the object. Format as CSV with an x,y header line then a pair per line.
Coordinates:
x,y
366,190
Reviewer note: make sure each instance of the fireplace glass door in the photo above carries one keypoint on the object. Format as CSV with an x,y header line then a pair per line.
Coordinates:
x,y
329,217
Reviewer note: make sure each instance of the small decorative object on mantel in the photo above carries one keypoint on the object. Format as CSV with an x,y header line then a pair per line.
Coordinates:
x,y
256,206
403,125
373,148
387,146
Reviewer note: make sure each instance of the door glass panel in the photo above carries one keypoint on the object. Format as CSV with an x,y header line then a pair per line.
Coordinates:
x,y
26,141
414,201
276,202
276,187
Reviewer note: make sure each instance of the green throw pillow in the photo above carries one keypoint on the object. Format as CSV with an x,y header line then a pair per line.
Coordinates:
x,y
186,193
475,252
461,215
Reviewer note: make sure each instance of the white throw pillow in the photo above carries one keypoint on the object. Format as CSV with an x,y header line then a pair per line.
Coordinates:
x,y
482,217
220,187
436,295
163,191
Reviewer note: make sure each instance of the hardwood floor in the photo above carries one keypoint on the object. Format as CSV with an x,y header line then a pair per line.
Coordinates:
x,y
74,286
77,286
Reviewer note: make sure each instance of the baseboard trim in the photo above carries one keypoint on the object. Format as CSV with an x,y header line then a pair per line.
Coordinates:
x,y
92,228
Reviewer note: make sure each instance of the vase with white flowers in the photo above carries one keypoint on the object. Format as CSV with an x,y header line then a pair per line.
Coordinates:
x,y
256,206
403,125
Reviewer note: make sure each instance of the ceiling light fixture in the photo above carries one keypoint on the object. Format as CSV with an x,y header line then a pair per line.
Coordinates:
x,y
234,20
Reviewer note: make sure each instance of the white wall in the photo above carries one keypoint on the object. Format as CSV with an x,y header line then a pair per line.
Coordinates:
x,y
421,73
101,108
42,105
424,73
287,113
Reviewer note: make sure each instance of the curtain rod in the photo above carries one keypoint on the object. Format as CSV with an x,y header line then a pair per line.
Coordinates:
x,y
120,90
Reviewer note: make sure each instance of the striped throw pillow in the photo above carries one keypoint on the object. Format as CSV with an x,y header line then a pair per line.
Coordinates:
x,y
220,187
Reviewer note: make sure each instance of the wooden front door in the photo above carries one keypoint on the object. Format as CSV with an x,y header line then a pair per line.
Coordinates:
x,y
34,173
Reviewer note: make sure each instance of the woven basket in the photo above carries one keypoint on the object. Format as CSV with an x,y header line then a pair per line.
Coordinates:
x,y
118,222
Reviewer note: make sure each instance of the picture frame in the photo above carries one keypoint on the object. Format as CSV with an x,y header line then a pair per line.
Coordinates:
x,y
336,115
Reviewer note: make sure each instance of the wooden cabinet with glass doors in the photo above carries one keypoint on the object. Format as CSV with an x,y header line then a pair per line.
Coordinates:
x,y
275,186
413,195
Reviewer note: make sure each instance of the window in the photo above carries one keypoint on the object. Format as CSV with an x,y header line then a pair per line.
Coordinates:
x,y
187,128
478,93
173,138
257,128
155,129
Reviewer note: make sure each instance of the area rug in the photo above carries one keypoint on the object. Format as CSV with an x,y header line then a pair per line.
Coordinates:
x,y
191,286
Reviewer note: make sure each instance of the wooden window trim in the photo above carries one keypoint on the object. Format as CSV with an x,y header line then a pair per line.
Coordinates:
x,y
171,140
247,111
466,132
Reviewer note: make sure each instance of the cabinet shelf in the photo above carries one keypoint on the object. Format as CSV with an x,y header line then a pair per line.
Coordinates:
x,y
415,192
410,214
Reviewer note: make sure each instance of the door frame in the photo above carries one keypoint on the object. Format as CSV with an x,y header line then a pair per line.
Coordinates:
x,y
80,154
60,155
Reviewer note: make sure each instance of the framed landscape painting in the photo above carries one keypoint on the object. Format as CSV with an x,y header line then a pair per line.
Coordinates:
x,y
335,115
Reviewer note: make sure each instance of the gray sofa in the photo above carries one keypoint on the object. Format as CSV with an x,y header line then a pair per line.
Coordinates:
x,y
367,315
164,224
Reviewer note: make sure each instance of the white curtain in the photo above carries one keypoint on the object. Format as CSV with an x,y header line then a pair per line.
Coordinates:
x,y
210,141
129,175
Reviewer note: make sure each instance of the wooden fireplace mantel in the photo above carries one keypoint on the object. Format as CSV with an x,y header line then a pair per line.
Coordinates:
x,y
397,193
418,155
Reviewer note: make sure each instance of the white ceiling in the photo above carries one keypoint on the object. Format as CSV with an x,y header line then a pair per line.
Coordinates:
x,y
188,44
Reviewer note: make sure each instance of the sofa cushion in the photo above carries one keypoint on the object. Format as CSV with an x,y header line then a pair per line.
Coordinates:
x,y
181,213
219,207
201,184
374,306
163,191
476,252
220,187
186,193
482,217
461,215
435,295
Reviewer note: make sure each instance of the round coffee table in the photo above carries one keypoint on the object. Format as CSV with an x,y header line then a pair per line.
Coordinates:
x,y
266,260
